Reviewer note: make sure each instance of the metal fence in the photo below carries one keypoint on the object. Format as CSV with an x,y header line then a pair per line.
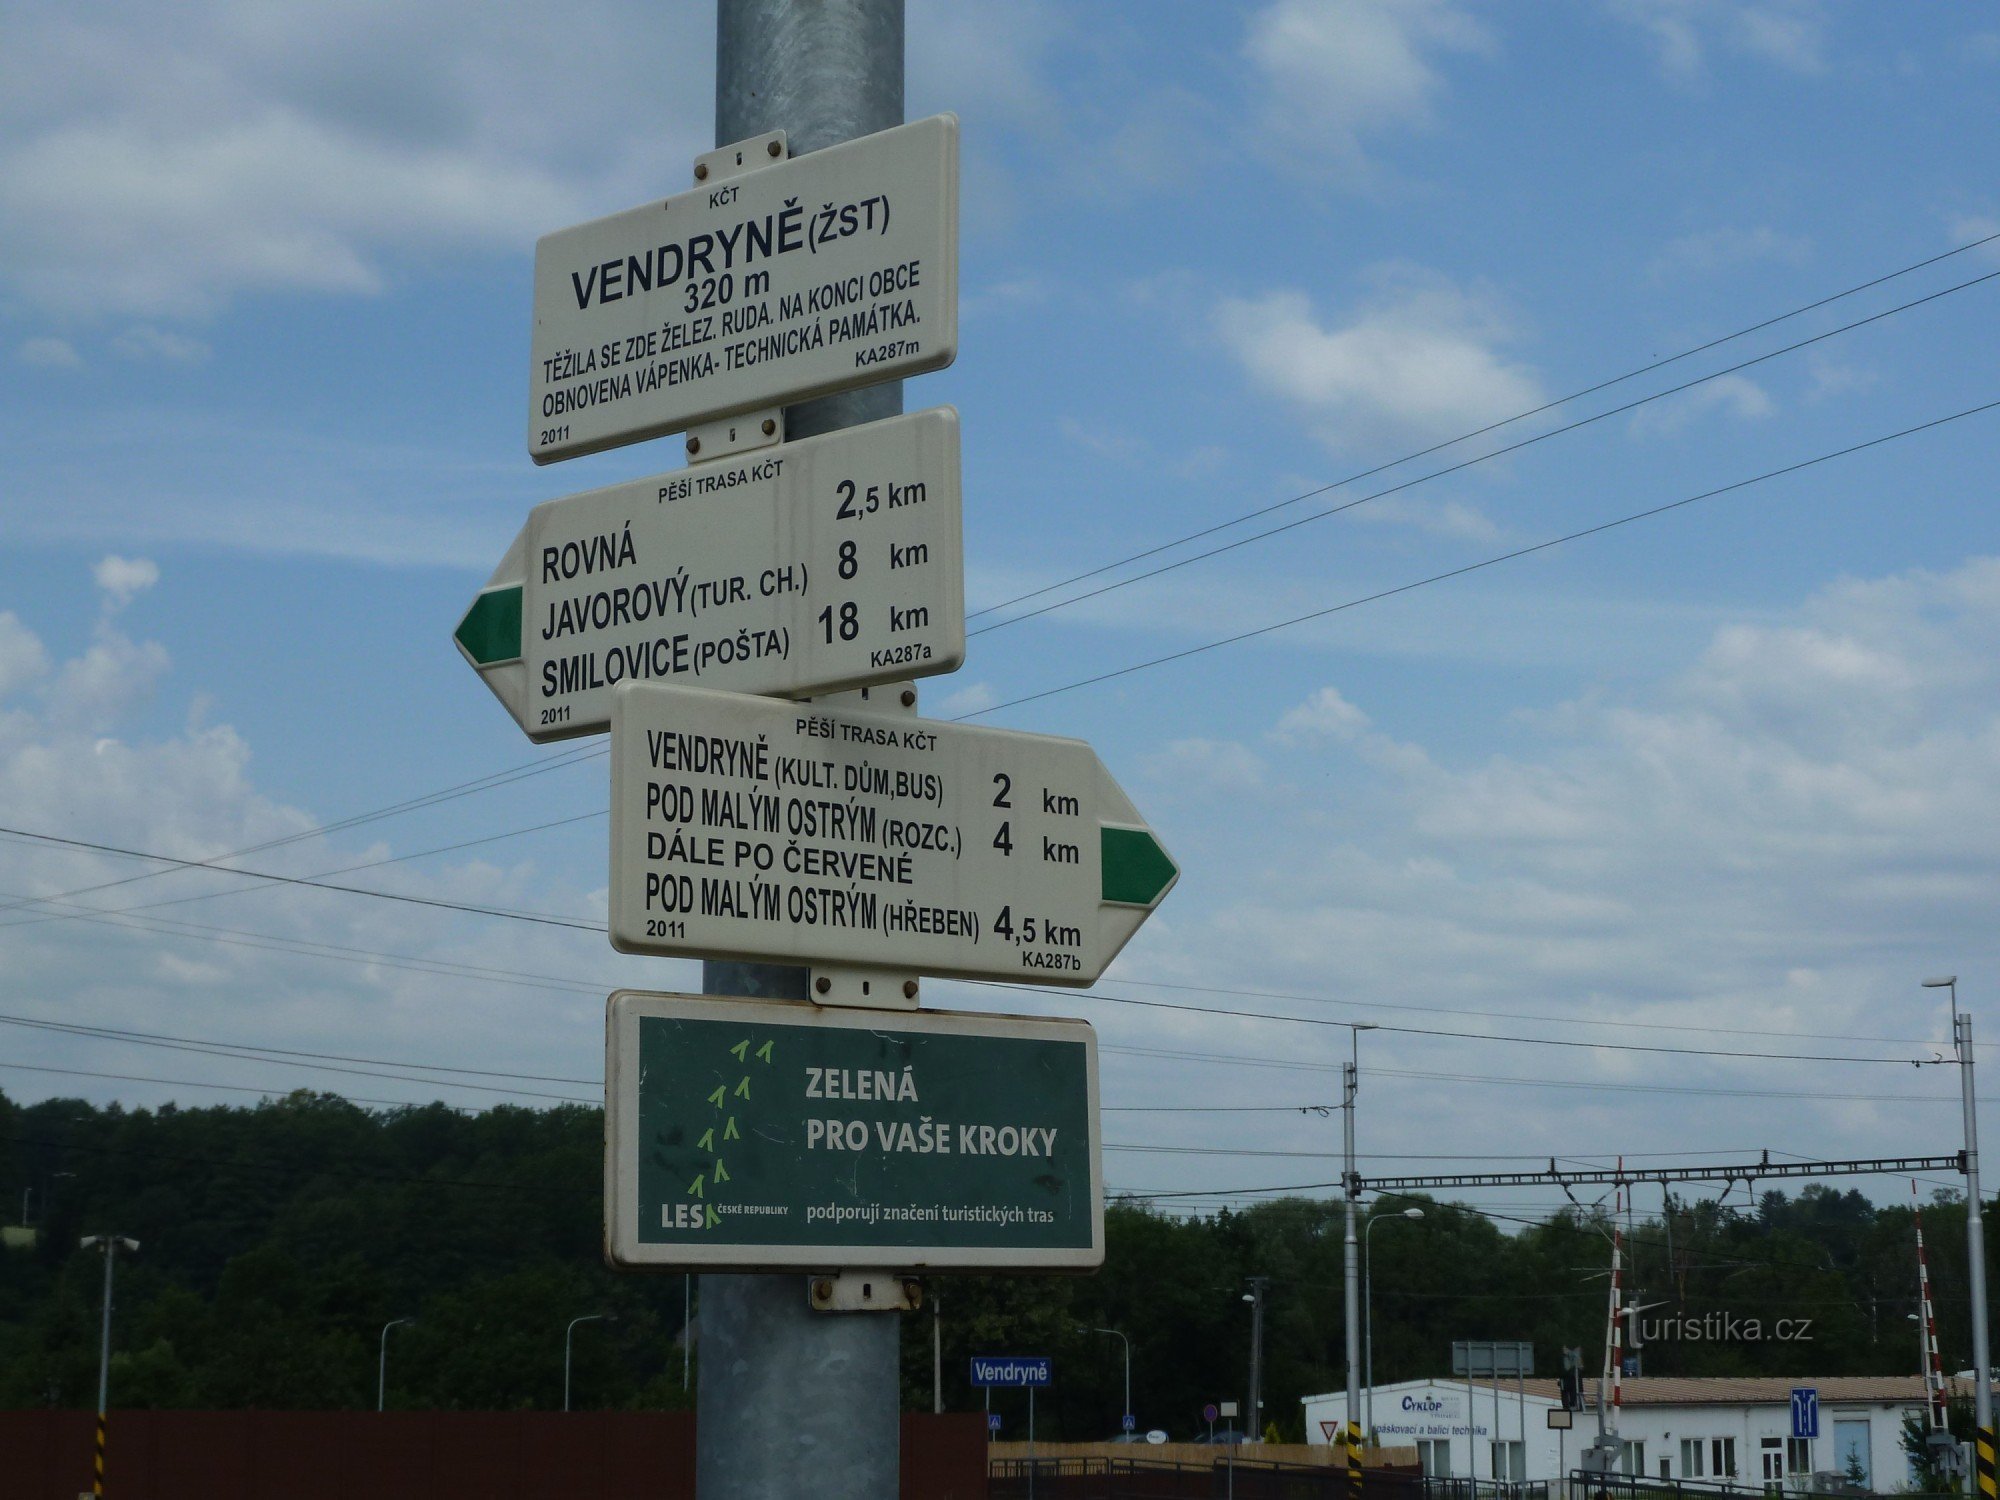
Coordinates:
x,y
1226,1477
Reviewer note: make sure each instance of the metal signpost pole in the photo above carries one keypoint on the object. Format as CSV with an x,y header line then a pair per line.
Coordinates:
x,y
792,1401
1351,1269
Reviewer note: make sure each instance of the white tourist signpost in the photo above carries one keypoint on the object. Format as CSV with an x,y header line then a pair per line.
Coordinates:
x,y
848,836
792,281
807,567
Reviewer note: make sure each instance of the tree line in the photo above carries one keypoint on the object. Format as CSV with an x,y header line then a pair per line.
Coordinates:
x,y
278,1239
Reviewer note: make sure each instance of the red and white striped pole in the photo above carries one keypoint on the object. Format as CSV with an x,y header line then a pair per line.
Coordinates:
x,y
1933,1366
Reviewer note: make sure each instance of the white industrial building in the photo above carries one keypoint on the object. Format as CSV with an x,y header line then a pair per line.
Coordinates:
x,y
1668,1427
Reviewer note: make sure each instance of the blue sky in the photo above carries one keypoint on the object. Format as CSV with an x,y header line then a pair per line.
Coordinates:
x,y
264,278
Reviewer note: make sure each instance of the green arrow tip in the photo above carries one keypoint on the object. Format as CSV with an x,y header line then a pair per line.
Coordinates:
x,y
491,629
1137,871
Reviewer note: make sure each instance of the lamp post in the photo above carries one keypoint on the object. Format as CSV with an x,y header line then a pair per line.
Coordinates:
x,y
569,1334
1975,1244
110,1244
1368,1299
1128,1363
382,1364
1255,1297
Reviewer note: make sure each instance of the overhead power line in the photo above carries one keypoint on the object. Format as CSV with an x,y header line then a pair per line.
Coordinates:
x,y
1464,437
452,793
300,880
1480,458
1474,567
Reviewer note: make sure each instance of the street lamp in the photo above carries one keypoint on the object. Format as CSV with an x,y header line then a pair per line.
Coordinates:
x,y
1128,1366
1975,1229
110,1244
568,1334
382,1364
1368,1296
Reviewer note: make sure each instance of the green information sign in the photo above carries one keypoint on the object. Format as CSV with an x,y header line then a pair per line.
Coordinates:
x,y
757,1134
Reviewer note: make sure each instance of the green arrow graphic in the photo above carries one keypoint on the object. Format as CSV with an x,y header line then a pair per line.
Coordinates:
x,y
739,1049
730,1132
695,1187
712,1219
764,1052
721,1173
491,629
707,1141
743,1088
721,1093
1137,871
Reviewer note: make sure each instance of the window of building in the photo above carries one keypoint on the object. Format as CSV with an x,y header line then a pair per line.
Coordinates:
x,y
1510,1462
1632,1459
1722,1458
1434,1455
1798,1455
1691,1456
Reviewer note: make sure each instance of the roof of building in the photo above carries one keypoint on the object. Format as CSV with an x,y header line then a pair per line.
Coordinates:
x,y
1713,1390
1736,1390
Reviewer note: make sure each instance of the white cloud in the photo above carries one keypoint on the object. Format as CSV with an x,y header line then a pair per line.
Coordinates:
x,y
1418,361
73,764
1788,33
1818,793
143,341
123,579
1209,764
162,164
1336,72
1969,227
1735,395
22,658
1324,717
1724,249
49,354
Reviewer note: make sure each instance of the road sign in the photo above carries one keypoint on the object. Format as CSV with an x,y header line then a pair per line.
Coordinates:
x,y
1010,1369
829,563
1805,1411
993,1421
759,1134
1131,1422
833,270
755,829
1228,1409
1492,1358
1210,1412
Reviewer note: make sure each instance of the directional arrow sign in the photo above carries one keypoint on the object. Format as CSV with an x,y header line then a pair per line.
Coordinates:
x,y
834,270
830,563
754,1134
756,829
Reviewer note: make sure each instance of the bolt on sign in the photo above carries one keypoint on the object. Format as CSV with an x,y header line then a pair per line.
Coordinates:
x,y
832,270
758,1134
830,563
757,829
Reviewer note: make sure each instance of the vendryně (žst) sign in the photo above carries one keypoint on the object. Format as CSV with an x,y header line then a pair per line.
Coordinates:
x,y
831,270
